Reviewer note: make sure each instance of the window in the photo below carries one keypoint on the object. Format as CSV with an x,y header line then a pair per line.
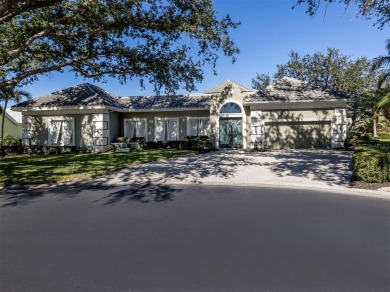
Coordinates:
x,y
135,128
61,131
230,108
198,127
166,129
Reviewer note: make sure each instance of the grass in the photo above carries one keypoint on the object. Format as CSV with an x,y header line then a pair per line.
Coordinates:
x,y
36,169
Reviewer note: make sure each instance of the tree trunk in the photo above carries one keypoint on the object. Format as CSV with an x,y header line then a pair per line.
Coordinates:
x,y
375,119
2,127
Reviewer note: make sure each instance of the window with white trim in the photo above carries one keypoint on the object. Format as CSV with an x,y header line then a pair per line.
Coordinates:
x,y
230,108
135,128
198,126
166,129
61,131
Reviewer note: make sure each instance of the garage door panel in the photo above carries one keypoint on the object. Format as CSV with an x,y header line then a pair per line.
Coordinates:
x,y
285,135
280,136
314,136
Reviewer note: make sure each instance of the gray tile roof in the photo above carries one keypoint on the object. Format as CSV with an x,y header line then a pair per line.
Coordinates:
x,y
284,90
220,87
83,94
88,94
290,90
165,102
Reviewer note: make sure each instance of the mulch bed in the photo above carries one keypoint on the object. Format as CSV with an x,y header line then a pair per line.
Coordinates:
x,y
368,186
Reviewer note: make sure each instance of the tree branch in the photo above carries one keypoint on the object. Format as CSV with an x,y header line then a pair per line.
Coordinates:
x,y
16,52
7,12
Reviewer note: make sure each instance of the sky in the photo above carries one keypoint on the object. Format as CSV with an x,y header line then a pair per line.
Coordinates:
x,y
269,31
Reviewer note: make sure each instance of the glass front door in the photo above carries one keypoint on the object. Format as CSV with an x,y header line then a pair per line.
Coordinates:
x,y
230,133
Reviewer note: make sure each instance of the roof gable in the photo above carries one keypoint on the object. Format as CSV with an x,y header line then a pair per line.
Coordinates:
x,y
220,87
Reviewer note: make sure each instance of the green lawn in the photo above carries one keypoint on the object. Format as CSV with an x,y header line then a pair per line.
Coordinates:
x,y
35,169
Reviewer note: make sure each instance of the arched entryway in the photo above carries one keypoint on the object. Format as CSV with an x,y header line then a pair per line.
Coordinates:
x,y
230,125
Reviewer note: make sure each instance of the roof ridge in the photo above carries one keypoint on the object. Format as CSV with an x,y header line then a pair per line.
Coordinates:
x,y
217,88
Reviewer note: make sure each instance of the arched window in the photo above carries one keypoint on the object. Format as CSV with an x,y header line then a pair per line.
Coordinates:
x,y
230,108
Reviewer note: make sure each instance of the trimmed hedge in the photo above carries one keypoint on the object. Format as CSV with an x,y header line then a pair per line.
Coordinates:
x,y
371,163
39,149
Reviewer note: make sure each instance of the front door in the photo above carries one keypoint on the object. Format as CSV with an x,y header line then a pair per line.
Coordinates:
x,y
230,133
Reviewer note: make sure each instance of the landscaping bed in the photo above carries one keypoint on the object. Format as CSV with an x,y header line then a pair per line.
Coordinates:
x,y
36,169
368,186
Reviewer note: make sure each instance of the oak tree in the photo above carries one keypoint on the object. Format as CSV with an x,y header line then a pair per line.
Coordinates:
x,y
377,9
164,42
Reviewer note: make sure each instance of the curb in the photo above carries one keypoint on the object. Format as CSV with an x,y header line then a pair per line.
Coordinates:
x,y
332,189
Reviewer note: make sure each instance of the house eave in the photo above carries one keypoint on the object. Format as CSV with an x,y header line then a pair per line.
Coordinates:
x,y
165,110
59,108
298,102
110,108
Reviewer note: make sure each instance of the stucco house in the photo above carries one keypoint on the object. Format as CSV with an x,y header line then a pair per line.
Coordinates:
x,y
12,123
287,114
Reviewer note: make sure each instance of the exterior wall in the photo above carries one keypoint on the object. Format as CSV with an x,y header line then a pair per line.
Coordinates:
x,y
115,126
10,128
91,129
100,132
217,101
297,115
150,116
35,130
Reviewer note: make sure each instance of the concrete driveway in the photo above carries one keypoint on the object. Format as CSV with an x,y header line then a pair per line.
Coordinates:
x,y
322,168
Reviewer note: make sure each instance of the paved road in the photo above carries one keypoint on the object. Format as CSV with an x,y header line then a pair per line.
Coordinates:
x,y
150,237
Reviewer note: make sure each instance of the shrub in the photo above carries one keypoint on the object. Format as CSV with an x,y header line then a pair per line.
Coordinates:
x,y
372,163
152,145
120,140
383,135
176,144
9,140
135,139
199,143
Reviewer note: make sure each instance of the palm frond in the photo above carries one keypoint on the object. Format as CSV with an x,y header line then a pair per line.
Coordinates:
x,y
384,102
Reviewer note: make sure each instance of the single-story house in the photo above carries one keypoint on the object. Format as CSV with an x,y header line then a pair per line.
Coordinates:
x,y
12,123
287,114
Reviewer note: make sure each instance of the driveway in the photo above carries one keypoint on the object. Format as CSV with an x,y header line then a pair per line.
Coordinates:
x,y
322,168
